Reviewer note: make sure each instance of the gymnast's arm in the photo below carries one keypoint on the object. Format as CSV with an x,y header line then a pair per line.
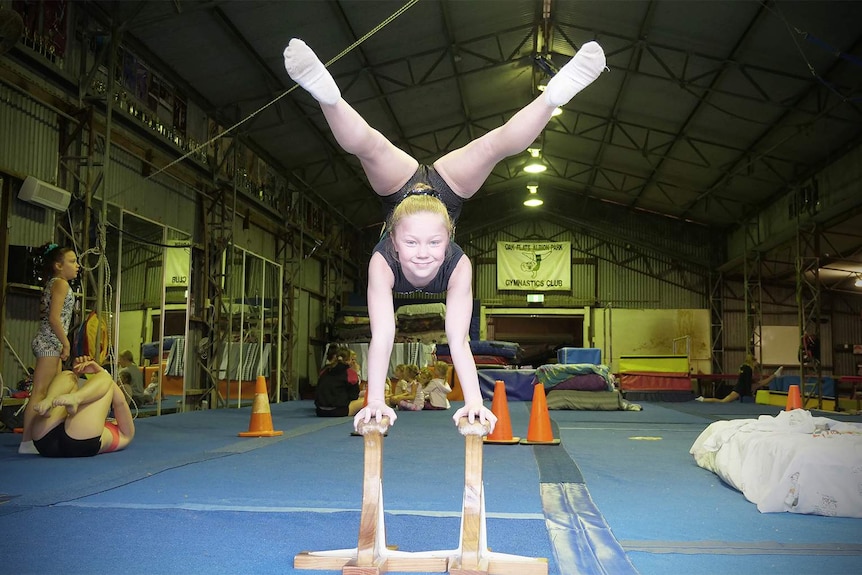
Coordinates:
x,y
123,415
459,311
381,314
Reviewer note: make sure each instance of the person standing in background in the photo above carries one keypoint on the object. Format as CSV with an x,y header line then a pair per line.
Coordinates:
x,y
51,344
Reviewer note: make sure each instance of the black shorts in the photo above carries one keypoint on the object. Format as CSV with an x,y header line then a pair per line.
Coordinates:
x,y
57,443
333,412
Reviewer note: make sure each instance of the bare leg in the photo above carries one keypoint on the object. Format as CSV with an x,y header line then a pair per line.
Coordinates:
x,y
46,415
91,403
467,168
729,398
386,166
46,369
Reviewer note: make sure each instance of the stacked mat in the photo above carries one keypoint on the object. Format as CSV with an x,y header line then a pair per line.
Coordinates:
x,y
656,377
581,382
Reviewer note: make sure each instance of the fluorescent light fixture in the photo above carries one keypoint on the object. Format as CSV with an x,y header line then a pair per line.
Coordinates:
x,y
533,199
557,111
858,282
535,298
537,166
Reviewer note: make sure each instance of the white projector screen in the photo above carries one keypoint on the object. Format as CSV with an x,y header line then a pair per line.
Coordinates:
x,y
779,345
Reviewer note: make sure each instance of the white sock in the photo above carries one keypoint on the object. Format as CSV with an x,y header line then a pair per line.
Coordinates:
x,y
304,68
699,398
27,448
576,75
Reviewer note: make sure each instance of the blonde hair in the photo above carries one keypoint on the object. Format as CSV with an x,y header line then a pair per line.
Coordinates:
x,y
425,375
441,369
411,370
419,203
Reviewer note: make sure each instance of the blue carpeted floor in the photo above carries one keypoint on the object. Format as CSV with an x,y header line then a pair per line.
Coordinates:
x,y
620,495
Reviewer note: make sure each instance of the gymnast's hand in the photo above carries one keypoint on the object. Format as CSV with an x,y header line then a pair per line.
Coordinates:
x,y
85,364
374,410
474,411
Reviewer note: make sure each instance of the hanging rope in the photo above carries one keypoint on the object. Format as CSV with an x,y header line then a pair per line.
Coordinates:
x,y
343,53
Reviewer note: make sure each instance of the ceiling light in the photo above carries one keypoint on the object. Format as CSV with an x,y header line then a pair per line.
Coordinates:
x,y
858,282
533,199
536,166
557,111
541,87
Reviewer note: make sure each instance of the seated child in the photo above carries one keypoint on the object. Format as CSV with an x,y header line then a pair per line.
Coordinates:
x,y
406,378
437,388
139,397
417,401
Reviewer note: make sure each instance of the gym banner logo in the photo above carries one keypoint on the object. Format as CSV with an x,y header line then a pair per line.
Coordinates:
x,y
534,266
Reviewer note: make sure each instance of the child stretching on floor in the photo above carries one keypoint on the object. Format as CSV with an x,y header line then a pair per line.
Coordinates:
x,y
71,421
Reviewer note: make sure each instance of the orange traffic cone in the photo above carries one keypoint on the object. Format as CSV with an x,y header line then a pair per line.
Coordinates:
x,y
261,418
500,407
539,431
794,401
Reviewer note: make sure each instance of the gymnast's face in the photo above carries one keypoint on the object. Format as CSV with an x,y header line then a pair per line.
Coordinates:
x,y
421,241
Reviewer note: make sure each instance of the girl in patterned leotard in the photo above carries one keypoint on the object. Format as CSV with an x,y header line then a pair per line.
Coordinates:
x,y
51,345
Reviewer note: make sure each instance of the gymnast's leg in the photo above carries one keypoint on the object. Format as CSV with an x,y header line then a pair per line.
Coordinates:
x,y
46,416
386,166
467,168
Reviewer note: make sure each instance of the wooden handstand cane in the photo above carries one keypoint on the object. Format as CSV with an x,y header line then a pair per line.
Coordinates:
x,y
371,555
473,556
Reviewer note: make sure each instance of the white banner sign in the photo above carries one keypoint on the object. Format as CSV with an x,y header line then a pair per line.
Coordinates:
x,y
534,266
177,263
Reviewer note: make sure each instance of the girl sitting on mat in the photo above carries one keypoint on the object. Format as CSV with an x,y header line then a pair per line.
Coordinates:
x,y
417,399
422,203
406,375
71,421
337,391
437,389
745,384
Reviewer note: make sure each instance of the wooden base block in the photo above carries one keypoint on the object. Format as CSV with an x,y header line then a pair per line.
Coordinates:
x,y
379,567
320,561
456,568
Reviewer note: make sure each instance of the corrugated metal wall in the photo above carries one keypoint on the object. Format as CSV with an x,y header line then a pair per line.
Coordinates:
x,y
597,280
840,326
160,197
29,137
